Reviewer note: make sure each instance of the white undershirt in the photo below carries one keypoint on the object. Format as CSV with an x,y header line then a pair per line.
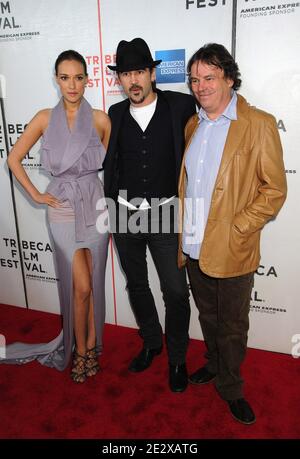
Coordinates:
x,y
143,115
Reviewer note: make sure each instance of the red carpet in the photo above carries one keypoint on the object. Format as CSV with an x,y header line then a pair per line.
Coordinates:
x,y
40,402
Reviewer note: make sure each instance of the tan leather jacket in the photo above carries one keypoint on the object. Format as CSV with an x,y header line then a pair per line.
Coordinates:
x,y
250,189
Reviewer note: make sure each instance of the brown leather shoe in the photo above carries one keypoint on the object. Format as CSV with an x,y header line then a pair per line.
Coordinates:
x,y
201,376
241,411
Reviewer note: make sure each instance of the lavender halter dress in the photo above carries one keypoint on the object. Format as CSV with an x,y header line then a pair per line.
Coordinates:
x,y
73,158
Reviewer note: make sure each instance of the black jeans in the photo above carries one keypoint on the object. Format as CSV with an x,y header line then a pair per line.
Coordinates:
x,y
163,248
223,306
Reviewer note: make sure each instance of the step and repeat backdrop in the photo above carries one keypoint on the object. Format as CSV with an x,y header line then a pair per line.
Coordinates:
x,y
265,37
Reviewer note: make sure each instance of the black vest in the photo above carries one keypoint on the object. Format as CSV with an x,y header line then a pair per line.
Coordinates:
x,y
147,159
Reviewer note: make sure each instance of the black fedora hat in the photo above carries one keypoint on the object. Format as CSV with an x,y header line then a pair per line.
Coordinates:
x,y
133,55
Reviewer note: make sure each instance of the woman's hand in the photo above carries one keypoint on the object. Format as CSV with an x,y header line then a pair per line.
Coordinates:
x,y
47,198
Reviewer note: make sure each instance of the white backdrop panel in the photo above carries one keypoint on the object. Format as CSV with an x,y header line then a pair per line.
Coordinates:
x,y
11,283
167,25
271,81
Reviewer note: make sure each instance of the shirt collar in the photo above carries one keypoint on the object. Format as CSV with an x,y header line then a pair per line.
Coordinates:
x,y
229,112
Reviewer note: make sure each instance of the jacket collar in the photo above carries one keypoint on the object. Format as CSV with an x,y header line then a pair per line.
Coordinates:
x,y
235,135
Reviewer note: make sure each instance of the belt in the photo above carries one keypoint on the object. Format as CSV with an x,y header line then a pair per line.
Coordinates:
x,y
134,211
77,190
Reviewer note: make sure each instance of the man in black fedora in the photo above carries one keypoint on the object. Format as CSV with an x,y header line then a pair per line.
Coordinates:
x,y
140,175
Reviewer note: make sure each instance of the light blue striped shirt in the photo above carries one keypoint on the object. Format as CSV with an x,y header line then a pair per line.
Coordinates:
x,y
202,163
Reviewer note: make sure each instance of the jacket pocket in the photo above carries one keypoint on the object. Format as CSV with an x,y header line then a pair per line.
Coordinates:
x,y
243,246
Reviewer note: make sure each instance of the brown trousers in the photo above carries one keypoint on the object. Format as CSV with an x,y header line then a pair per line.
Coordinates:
x,y
223,306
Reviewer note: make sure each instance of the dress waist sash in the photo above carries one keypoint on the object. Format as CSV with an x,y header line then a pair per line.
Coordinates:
x,y
77,191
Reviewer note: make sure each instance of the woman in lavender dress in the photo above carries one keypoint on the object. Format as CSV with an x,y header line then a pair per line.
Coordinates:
x,y
74,139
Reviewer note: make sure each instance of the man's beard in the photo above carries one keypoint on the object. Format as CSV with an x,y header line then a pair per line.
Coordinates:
x,y
139,101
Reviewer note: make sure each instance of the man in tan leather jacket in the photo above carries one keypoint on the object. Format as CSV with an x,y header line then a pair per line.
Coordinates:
x,y
232,183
